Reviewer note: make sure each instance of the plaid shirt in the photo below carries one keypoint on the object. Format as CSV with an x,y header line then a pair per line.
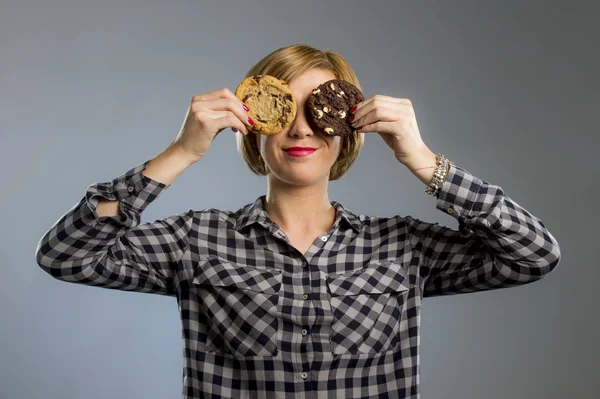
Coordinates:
x,y
262,320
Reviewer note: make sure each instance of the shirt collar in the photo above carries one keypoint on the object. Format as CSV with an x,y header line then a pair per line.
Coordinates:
x,y
255,213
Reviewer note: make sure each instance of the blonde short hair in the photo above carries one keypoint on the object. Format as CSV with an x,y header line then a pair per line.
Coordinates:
x,y
286,63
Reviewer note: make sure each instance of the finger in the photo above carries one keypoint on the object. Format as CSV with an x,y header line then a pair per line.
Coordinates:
x,y
219,94
230,120
221,116
380,127
226,105
383,114
381,97
365,106
223,92
244,132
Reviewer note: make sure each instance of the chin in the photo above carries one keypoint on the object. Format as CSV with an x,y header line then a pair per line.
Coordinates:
x,y
302,179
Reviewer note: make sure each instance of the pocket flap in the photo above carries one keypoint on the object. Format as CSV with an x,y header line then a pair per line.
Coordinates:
x,y
217,272
377,277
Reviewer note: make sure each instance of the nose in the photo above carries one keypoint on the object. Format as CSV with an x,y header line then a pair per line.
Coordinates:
x,y
300,127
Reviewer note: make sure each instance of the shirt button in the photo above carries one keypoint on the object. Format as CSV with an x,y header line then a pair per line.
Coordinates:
x,y
304,375
130,189
324,238
305,296
304,331
304,264
450,210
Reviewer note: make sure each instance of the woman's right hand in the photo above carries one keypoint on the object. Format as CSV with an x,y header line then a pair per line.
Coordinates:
x,y
207,116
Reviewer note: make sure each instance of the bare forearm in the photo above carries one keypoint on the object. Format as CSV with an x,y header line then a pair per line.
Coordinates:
x,y
423,166
165,168
169,164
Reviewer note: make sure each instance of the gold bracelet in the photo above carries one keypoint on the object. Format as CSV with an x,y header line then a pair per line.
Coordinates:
x,y
439,175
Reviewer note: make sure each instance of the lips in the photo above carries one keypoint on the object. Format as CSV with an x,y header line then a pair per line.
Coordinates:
x,y
300,149
300,152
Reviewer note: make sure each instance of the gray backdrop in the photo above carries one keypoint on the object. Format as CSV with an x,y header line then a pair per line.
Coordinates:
x,y
507,90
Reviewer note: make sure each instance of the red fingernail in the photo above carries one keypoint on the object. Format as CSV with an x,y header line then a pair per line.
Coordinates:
x,y
359,128
245,107
351,118
250,121
353,109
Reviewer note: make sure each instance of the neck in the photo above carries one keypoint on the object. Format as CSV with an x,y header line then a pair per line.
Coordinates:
x,y
303,210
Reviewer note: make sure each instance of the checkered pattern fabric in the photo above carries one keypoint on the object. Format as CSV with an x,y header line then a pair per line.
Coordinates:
x,y
262,320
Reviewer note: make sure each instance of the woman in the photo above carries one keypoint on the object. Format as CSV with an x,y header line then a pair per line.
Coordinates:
x,y
294,293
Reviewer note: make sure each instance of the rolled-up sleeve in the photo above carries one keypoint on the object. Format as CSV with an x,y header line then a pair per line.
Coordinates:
x,y
498,243
117,252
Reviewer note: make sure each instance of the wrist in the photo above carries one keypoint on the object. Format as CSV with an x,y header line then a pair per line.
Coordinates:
x,y
422,165
424,160
179,152
169,164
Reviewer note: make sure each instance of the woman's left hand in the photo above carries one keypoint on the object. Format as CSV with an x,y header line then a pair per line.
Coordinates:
x,y
394,120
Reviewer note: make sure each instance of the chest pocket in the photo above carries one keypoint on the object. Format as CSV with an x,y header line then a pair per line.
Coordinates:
x,y
367,306
240,307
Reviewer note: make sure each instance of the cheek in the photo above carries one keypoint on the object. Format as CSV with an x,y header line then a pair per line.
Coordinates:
x,y
267,146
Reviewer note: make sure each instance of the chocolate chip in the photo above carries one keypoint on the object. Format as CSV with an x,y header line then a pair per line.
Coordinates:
x,y
288,97
261,120
258,78
247,97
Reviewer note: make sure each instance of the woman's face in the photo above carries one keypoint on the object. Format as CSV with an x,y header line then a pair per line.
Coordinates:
x,y
306,170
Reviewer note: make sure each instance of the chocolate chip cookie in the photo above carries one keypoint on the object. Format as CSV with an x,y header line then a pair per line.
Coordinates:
x,y
329,106
271,102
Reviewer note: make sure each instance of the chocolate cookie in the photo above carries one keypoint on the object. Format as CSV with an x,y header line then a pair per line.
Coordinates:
x,y
329,106
271,102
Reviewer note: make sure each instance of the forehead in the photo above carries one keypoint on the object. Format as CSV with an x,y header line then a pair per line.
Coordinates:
x,y
303,84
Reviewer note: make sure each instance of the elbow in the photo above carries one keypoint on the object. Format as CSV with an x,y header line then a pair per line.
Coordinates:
x,y
46,258
41,255
554,259
549,262
46,263
529,271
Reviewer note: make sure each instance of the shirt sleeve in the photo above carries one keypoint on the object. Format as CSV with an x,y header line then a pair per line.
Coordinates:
x,y
498,243
117,252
